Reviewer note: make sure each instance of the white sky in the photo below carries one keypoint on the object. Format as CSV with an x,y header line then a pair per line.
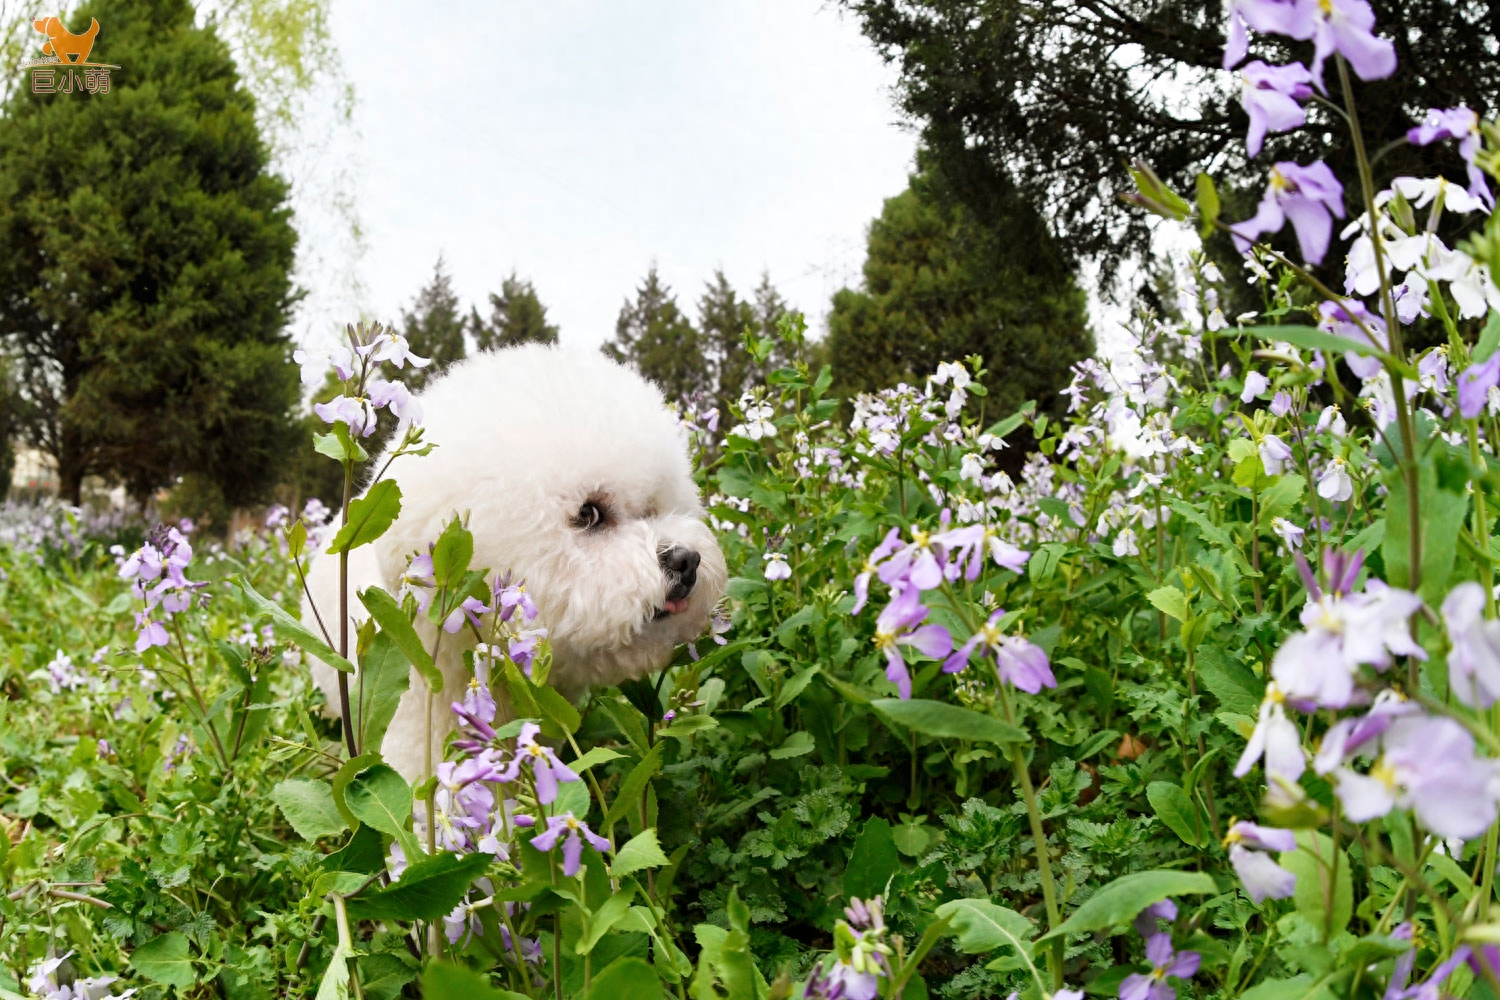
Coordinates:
x,y
576,142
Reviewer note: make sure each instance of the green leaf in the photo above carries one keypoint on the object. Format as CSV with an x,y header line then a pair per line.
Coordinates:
x,y
629,795
451,555
595,757
335,982
1323,898
687,725
442,981
627,978
599,923
1295,988
386,674
1122,899
393,621
164,959
343,776
1169,601
795,745
1176,810
873,861
369,517
339,446
381,798
1208,205
1313,339
641,852
796,684
1443,505
1004,427
557,710
1489,339
938,718
288,628
982,926
429,888
308,806
1278,499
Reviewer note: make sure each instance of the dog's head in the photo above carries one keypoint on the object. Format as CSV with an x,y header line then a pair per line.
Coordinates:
x,y
577,480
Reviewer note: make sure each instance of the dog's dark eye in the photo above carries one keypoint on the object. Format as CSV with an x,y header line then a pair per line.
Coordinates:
x,y
589,516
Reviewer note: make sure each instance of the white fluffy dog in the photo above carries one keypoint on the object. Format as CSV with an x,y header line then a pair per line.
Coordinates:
x,y
576,479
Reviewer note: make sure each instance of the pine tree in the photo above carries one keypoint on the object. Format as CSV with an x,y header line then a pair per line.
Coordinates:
x,y
145,260
941,284
723,318
655,337
434,327
517,316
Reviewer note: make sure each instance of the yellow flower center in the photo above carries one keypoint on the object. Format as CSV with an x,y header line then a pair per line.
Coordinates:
x,y
884,640
1384,773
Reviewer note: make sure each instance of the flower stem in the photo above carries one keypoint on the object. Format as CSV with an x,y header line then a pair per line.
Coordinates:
x,y
1039,836
350,743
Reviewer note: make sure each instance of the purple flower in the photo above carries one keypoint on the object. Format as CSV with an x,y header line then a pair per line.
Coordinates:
x,y
1288,532
1427,765
1262,877
1281,403
418,580
1461,124
897,627
1474,660
1145,921
394,348
889,544
1274,453
1270,95
965,548
1016,660
1474,385
1344,319
523,645
357,412
152,633
1310,196
1255,384
1347,27
513,597
916,563
546,769
575,831
398,399
1343,631
471,608
1164,962
1279,17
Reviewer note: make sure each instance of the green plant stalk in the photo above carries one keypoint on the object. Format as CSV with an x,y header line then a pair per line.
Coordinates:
x,y
1039,836
1393,329
345,713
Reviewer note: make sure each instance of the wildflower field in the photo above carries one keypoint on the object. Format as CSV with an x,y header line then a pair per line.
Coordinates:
x,y
1197,697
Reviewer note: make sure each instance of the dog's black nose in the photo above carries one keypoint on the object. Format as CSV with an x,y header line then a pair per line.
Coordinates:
x,y
682,564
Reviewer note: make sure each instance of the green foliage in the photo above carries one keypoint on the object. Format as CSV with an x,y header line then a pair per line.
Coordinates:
x,y
517,316
654,336
434,326
148,249
943,281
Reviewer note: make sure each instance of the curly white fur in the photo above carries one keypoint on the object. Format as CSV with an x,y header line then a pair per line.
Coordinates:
x,y
524,438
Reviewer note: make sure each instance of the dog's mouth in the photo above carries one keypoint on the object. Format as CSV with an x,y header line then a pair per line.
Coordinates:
x,y
672,607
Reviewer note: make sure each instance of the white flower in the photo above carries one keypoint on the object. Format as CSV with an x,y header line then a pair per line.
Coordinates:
x,y
394,348
1276,739
1216,320
1288,532
1273,454
1255,384
1125,544
972,467
1332,419
777,568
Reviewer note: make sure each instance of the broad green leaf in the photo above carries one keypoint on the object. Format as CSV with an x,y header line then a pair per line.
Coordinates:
x,y
1122,899
1170,601
1443,505
335,982
1313,339
165,959
1489,339
595,757
687,725
873,861
1295,988
451,555
429,888
385,674
381,798
557,710
642,851
1176,810
982,926
796,684
954,722
1278,499
369,517
1324,898
629,795
339,446
599,923
393,621
343,776
308,806
1010,423
796,745
288,628
442,981
627,978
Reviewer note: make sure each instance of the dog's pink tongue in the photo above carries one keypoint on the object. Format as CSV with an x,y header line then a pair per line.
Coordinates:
x,y
677,607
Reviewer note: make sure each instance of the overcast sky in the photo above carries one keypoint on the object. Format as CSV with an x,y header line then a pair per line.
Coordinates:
x,y
577,142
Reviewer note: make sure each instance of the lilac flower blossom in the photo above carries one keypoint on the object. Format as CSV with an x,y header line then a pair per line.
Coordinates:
x,y
357,412
1164,962
1274,454
1145,922
1018,661
419,581
522,647
1475,383
897,626
1335,483
63,675
916,563
1261,876
1281,403
394,348
1331,420
1344,319
1275,738
43,983
1255,384
512,597
1271,96
1310,196
470,609
1342,631
777,568
965,549
888,545
546,769
1474,660
1279,17
1347,27
397,398
1461,124
574,831
1289,533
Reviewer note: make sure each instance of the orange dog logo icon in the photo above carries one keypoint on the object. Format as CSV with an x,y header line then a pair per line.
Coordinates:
x,y
62,43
